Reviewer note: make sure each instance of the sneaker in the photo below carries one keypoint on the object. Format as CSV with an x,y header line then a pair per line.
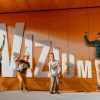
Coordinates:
x,y
21,89
27,90
98,88
51,92
57,92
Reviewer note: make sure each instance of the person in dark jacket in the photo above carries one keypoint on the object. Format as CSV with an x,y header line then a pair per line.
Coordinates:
x,y
95,43
23,66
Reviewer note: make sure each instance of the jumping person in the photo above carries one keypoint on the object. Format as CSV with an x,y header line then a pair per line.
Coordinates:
x,y
23,66
54,70
1,48
95,43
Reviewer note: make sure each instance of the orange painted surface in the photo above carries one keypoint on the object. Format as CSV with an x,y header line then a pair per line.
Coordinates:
x,y
29,5
65,30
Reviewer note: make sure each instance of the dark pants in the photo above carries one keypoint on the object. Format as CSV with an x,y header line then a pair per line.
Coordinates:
x,y
53,81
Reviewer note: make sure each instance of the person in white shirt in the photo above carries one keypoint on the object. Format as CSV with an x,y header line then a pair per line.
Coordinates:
x,y
54,70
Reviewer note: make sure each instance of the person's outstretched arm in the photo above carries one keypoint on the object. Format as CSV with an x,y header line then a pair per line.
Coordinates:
x,y
90,43
17,59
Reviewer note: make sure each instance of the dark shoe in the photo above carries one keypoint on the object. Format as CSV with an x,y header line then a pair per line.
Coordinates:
x,y
27,90
51,92
98,88
57,92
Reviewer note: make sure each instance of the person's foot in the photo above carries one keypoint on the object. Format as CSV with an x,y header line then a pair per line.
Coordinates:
x,y
57,92
51,92
27,90
21,89
98,88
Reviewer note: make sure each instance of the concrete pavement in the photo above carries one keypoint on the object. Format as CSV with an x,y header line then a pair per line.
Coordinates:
x,y
45,95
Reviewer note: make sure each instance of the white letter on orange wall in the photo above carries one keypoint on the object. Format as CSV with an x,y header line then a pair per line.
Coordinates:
x,y
84,71
56,53
65,64
28,47
9,67
38,70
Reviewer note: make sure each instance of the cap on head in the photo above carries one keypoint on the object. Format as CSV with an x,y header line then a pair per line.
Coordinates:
x,y
27,54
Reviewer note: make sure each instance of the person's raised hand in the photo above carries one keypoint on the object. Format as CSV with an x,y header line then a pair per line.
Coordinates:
x,y
85,33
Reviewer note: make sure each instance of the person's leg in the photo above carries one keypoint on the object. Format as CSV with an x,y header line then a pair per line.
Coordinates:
x,y
97,64
57,84
52,84
25,82
20,78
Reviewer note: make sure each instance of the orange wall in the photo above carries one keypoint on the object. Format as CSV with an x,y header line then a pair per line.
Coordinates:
x,y
65,30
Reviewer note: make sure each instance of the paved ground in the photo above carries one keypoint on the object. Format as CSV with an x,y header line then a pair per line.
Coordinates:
x,y
40,95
